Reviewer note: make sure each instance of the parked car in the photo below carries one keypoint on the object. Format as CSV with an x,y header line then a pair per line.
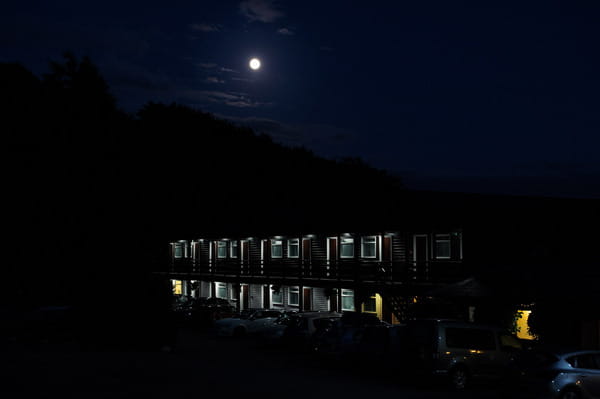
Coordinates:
x,y
202,311
250,321
302,329
343,337
556,374
271,333
459,351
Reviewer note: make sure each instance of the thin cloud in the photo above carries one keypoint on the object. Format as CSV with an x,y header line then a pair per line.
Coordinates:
x,y
232,99
223,69
207,65
204,27
260,10
285,32
214,79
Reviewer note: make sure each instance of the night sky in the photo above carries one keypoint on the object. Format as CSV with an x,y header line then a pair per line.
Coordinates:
x,y
481,96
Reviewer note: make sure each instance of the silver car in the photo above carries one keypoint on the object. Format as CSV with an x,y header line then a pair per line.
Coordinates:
x,y
558,374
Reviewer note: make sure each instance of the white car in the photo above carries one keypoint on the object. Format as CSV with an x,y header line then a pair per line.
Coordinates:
x,y
249,322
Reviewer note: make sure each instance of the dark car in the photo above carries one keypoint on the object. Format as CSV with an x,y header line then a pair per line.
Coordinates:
x,y
201,312
555,374
342,337
302,327
459,351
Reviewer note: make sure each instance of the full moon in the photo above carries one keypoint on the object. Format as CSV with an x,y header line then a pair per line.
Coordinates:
x,y
255,63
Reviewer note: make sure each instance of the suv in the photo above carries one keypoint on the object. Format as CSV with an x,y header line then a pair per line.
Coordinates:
x,y
459,350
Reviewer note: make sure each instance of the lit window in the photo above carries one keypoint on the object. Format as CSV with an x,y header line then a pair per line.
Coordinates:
x,y
294,296
234,249
347,248
177,287
348,300
442,246
293,248
221,290
368,248
276,248
276,295
222,249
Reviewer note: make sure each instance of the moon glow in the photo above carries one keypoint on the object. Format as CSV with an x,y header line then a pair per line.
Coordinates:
x,y
255,64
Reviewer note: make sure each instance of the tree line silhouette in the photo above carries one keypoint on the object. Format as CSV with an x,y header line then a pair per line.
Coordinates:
x,y
95,193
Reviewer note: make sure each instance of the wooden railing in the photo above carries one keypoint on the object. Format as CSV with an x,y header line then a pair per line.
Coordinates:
x,y
356,270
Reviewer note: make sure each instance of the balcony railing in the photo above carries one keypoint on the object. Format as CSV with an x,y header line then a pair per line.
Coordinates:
x,y
357,270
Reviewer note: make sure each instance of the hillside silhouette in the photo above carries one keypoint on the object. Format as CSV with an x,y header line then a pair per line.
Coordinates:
x,y
97,193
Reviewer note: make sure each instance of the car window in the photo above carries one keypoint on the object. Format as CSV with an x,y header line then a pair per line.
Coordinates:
x,y
510,341
587,361
470,338
536,359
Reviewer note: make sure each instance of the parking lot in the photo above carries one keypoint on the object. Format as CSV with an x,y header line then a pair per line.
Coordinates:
x,y
199,364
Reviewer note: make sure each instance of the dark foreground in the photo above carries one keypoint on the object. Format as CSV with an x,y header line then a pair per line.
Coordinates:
x,y
198,365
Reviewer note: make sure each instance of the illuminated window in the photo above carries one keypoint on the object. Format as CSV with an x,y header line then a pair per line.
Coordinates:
x,y
222,249
234,249
293,248
177,287
276,295
276,248
221,290
347,248
442,246
368,247
294,296
348,300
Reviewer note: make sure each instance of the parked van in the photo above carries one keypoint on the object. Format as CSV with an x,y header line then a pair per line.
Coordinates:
x,y
459,351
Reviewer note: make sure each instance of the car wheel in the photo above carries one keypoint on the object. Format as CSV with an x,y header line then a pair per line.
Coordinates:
x,y
459,377
570,394
239,332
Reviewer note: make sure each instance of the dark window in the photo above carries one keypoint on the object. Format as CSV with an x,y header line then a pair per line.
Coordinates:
x,y
222,249
370,305
179,250
368,247
347,248
234,249
442,246
276,248
294,248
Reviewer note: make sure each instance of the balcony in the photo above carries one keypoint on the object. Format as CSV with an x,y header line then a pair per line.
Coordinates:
x,y
294,270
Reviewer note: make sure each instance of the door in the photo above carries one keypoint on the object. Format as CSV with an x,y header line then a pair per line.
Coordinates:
x,y
245,257
266,297
306,256
245,297
307,299
333,301
332,256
